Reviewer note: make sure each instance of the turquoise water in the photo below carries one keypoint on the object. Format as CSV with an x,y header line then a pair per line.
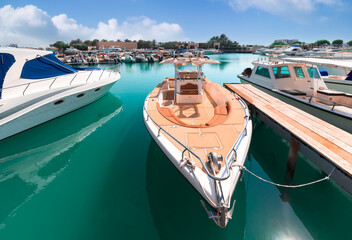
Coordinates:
x,y
97,174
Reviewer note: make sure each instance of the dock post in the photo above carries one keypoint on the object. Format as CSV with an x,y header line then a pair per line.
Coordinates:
x,y
292,156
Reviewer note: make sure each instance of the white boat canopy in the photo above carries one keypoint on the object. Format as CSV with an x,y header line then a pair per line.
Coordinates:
x,y
326,62
196,61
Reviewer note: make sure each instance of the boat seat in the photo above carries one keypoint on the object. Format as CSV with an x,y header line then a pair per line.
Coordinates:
x,y
170,115
215,93
188,75
335,77
220,110
189,89
294,92
221,114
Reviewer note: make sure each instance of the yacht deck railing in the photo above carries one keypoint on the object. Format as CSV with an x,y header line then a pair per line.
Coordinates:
x,y
53,80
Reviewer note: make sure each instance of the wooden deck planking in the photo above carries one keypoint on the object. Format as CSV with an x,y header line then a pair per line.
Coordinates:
x,y
330,141
199,139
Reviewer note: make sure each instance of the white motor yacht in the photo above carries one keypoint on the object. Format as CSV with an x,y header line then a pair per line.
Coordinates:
x,y
204,130
140,58
337,74
301,85
36,87
293,51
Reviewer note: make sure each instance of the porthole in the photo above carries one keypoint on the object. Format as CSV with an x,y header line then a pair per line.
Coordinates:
x,y
80,95
98,89
58,102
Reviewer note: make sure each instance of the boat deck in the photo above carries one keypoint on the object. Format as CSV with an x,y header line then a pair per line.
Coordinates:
x,y
340,108
326,145
205,139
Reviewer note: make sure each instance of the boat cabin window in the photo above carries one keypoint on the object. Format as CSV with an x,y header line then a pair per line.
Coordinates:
x,y
281,72
313,72
299,72
262,71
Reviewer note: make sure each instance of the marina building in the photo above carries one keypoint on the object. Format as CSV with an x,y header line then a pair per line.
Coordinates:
x,y
114,45
287,41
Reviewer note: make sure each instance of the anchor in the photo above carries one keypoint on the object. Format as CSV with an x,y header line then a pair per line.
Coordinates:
x,y
222,216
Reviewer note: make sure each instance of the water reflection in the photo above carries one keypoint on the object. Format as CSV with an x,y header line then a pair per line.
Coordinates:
x,y
321,210
175,206
45,152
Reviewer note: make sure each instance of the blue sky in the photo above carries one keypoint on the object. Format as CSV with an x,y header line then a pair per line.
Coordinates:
x,y
40,22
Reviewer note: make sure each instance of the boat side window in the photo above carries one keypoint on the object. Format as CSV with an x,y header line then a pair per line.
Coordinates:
x,y
262,71
299,72
281,72
313,72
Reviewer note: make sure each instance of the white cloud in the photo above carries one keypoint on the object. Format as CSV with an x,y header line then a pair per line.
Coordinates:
x,y
31,26
25,25
69,27
290,8
138,28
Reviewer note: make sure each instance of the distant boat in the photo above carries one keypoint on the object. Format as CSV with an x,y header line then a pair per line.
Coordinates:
x,y
293,51
301,85
127,58
140,58
204,130
36,87
211,51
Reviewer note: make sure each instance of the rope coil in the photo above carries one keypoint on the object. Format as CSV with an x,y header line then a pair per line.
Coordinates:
x,y
283,185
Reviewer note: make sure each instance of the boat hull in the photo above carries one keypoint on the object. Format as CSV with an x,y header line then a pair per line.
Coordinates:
x,y
53,107
343,122
197,178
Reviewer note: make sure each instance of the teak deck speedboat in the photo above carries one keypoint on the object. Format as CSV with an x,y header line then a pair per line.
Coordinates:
x,y
36,87
301,85
204,130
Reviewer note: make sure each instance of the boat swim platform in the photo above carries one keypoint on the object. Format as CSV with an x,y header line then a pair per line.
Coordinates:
x,y
328,147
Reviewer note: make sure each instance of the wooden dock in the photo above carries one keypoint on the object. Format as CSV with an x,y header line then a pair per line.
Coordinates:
x,y
324,144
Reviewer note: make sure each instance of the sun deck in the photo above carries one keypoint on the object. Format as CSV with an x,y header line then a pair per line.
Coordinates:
x,y
203,138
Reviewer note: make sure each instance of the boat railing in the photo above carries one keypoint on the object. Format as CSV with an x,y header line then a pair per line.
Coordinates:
x,y
233,149
242,133
47,80
334,104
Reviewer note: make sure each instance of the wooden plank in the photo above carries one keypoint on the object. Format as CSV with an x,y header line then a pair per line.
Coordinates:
x,y
322,125
330,141
287,111
276,102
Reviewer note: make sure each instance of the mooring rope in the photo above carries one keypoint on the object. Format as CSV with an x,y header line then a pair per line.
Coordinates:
x,y
283,185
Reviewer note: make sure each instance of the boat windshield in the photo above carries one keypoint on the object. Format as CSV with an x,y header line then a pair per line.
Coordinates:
x,y
313,72
299,72
262,71
281,72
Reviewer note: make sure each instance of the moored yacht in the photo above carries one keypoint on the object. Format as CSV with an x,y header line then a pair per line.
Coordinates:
x,y
301,85
140,57
204,130
36,87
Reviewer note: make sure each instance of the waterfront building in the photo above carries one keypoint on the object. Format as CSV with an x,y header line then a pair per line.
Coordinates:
x,y
287,41
114,45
